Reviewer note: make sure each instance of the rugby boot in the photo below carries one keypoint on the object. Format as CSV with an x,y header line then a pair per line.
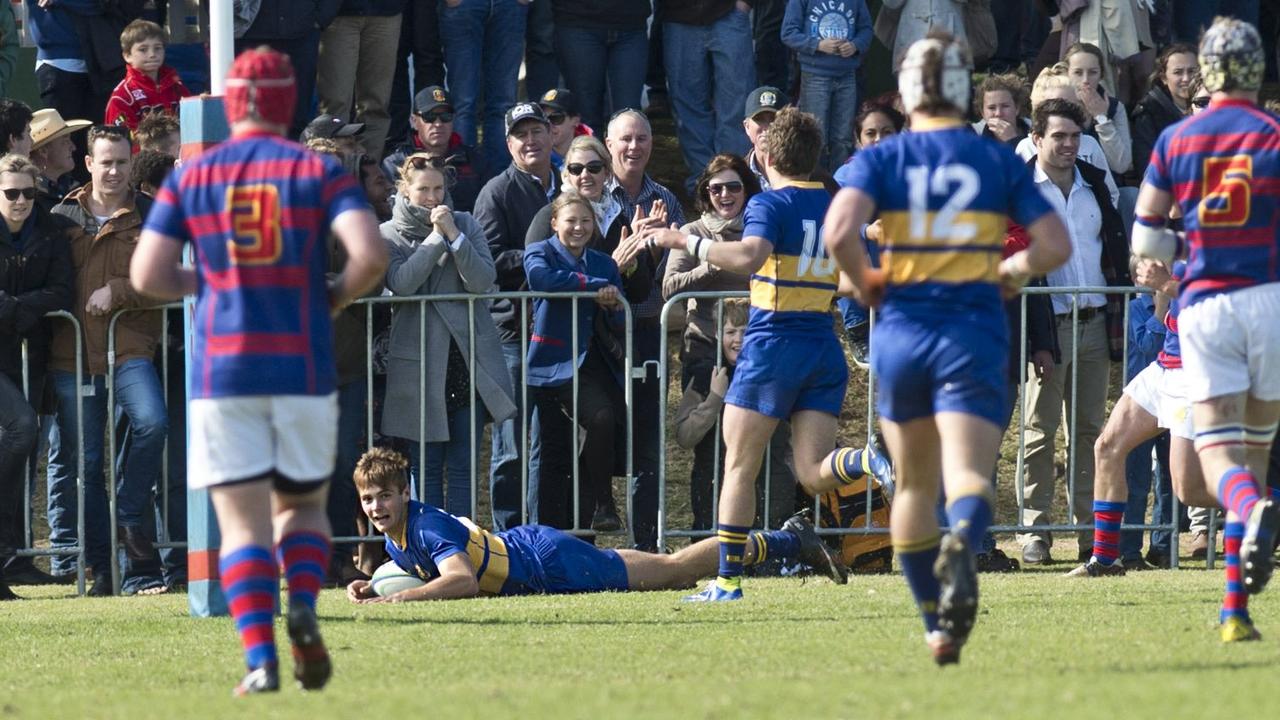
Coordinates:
x,y
881,466
944,648
1238,629
1256,559
1093,568
311,665
957,575
715,592
860,344
815,553
260,680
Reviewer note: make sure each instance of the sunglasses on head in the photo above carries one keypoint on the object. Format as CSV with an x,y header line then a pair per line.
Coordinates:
x,y
15,193
556,118
443,117
734,187
594,167
1200,102
422,162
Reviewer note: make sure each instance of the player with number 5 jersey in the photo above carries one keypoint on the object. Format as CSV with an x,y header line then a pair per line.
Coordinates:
x,y
940,345
791,365
1222,169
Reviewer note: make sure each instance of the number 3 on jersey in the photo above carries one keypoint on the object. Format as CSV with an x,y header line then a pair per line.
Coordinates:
x,y
959,184
813,260
255,225
1224,191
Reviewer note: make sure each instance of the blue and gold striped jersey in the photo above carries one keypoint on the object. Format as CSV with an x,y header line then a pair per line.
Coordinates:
x,y
432,535
945,196
791,293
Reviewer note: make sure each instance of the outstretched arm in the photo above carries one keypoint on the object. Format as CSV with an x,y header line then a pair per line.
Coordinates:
x,y
743,257
457,580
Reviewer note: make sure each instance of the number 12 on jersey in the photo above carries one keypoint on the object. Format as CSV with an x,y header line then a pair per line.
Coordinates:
x,y
959,184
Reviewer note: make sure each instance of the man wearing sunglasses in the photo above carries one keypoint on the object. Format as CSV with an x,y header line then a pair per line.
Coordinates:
x,y
433,135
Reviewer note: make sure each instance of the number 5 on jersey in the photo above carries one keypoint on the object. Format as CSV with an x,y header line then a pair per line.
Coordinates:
x,y
255,225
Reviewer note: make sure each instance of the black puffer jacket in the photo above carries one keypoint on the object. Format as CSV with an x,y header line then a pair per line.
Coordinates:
x,y
33,282
1155,112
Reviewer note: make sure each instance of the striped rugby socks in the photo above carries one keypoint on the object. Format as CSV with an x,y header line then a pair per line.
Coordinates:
x,y
1235,602
1238,491
304,555
248,577
1107,517
779,544
733,541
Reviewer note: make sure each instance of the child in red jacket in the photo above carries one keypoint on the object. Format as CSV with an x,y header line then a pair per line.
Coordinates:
x,y
149,86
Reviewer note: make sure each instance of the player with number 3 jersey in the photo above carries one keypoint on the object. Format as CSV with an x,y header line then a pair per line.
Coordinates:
x,y
940,345
1222,169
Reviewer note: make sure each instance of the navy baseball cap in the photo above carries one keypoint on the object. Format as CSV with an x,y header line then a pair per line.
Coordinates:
x,y
430,98
764,99
331,126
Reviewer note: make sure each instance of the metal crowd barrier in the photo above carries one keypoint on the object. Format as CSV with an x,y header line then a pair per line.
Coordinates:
x,y
78,550
1020,471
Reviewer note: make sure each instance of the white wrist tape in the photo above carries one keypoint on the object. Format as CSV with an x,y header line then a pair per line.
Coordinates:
x,y
698,247
1157,243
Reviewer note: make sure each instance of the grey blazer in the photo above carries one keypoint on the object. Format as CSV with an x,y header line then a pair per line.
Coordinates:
x,y
432,268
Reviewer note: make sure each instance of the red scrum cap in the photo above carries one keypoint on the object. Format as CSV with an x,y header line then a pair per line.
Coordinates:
x,y
260,86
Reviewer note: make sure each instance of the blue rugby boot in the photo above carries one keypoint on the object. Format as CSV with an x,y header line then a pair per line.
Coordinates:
x,y
716,591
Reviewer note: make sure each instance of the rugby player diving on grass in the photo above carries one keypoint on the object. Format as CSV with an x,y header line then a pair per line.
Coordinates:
x,y
457,559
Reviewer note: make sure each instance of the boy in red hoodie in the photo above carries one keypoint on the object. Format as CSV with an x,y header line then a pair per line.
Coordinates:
x,y
149,86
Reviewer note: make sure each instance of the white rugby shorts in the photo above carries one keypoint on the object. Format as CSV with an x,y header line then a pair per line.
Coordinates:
x,y
1162,394
234,439
1231,344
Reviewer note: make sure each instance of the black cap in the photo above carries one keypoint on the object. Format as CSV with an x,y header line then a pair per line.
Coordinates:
x,y
331,126
430,98
525,111
560,99
765,98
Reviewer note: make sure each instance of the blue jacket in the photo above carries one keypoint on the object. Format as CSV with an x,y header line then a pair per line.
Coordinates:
x,y
808,21
1146,335
54,29
550,268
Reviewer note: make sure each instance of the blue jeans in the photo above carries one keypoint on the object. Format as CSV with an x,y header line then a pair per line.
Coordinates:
x,y
1138,471
504,461
483,46
710,72
834,101
540,70
451,462
140,398
855,314
590,59
343,501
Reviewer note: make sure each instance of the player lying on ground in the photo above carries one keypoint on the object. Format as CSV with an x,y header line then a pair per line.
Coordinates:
x,y
1221,167
791,365
940,346
456,559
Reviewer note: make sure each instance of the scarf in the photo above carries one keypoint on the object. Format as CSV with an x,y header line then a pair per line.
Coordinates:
x,y
719,227
411,222
607,210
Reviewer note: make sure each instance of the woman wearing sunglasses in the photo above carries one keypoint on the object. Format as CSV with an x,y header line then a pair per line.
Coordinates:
x,y
436,251
35,278
587,170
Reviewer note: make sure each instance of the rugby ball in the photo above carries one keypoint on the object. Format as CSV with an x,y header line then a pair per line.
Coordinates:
x,y
389,579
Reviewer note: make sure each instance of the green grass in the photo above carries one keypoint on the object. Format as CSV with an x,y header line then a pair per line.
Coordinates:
x,y
1044,647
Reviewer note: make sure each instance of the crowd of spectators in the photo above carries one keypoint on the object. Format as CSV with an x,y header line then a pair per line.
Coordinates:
x,y
503,146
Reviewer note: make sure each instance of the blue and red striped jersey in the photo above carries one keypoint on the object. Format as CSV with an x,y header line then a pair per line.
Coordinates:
x,y
1223,169
257,210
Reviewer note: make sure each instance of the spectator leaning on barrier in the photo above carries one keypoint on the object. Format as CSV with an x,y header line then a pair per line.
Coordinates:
x,y
149,86
51,151
1167,102
1099,258
710,65
35,279
357,62
436,251
829,38
483,46
588,170
15,127
1053,83
603,49
432,123
998,102
505,208
564,263
630,143
762,107
106,217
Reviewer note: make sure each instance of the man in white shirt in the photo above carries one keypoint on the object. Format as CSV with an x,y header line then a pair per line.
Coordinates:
x,y
1078,191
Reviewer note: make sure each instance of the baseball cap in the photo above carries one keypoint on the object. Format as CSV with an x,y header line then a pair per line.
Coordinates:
x,y
430,98
525,111
331,126
47,125
560,99
764,99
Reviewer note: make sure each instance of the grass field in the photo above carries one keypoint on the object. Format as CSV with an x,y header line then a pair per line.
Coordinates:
x,y
1045,647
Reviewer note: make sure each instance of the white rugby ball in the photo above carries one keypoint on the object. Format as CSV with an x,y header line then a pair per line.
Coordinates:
x,y
389,579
